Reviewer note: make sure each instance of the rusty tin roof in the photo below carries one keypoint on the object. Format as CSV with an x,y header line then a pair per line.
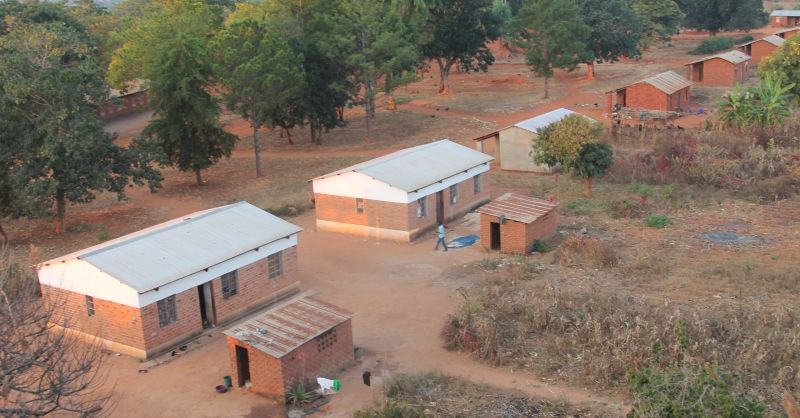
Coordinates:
x,y
518,208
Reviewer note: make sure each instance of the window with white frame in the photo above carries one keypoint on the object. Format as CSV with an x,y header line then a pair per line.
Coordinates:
x,y
230,284
275,264
167,311
477,185
422,207
453,194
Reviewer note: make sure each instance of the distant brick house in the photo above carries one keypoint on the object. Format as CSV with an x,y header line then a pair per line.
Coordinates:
x,y
512,223
512,146
726,69
290,345
784,18
788,33
124,102
402,195
666,92
146,292
761,48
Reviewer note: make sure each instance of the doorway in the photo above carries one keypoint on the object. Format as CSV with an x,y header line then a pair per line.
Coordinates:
x,y
206,297
440,207
242,366
494,235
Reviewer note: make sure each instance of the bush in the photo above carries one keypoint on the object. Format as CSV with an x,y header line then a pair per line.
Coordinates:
x,y
657,221
540,246
689,392
587,252
743,40
298,396
713,44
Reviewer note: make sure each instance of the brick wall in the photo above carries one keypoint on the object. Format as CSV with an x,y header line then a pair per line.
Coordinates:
x,y
188,322
111,321
124,105
718,72
645,96
517,237
467,200
273,377
760,50
777,21
255,287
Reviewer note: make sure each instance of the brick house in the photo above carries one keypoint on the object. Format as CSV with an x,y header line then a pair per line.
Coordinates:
x,y
761,48
666,91
290,345
512,146
146,292
788,33
402,195
124,102
784,18
512,222
725,69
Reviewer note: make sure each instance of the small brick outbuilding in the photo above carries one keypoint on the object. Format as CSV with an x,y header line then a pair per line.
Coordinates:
x,y
726,69
289,345
788,33
784,18
512,222
761,48
146,292
124,102
666,92
402,195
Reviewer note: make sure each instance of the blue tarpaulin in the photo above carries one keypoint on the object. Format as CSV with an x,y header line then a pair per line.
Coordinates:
x,y
465,241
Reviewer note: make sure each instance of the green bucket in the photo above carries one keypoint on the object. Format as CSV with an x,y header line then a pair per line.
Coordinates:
x,y
336,385
228,381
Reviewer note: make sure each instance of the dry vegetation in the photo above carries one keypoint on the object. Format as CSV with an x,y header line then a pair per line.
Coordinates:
x,y
436,395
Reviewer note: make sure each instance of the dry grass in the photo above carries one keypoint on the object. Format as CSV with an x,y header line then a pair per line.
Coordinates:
x,y
438,395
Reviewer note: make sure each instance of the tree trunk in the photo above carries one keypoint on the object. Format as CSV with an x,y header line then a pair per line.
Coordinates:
x,y
198,177
587,187
546,90
288,135
3,233
61,211
444,73
257,149
369,103
340,112
590,70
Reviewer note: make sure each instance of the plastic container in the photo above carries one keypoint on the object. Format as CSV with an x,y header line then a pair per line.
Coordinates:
x,y
228,381
337,385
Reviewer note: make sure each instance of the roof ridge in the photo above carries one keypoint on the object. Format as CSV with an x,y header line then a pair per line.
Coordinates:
x,y
396,154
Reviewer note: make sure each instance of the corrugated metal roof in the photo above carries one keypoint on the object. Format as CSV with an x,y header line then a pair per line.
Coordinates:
x,y
773,39
785,13
518,208
166,252
542,121
134,86
795,29
669,82
413,168
733,57
283,329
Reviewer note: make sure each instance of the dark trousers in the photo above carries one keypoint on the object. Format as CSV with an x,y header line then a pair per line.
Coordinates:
x,y
440,241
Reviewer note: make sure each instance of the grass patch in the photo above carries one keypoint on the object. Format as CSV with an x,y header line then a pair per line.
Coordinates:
x,y
582,207
657,221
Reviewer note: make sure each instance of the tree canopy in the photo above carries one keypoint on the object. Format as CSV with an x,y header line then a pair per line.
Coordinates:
x,y
715,15
660,19
615,30
553,36
457,32
784,65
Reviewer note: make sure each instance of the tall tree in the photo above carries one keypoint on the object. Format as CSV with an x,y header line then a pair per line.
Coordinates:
x,y
554,36
261,73
715,15
660,18
456,33
615,31
170,48
51,87
593,160
378,46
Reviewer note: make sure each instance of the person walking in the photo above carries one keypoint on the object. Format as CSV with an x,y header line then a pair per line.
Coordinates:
x,y
440,233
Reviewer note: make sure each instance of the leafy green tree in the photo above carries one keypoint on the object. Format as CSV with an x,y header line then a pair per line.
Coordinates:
x,y
456,32
715,15
261,73
689,392
594,159
378,46
660,19
784,64
51,87
554,36
170,48
615,31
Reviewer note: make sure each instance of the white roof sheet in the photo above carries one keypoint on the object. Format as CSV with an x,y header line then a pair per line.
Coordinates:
x,y
167,252
284,328
413,168
788,13
544,120
773,39
734,57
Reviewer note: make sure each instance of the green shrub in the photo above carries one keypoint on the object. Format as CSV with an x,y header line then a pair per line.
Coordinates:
x,y
490,263
540,246
657,221
687,392
713,44
743,39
